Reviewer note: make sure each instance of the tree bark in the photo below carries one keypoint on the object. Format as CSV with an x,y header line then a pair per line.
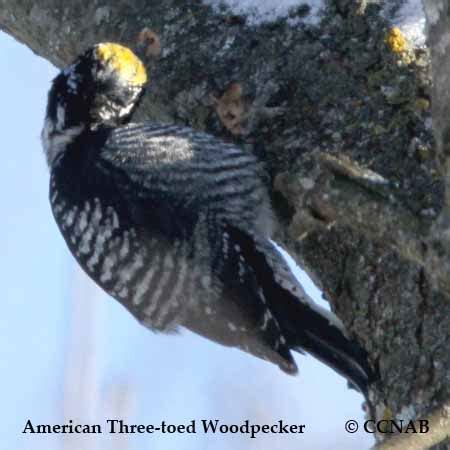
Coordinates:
x,y
340,113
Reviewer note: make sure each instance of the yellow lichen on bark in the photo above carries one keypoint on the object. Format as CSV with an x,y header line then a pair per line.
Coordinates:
x,y
396,40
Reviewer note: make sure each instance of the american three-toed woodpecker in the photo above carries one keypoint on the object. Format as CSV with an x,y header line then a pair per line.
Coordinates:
x,y
175,224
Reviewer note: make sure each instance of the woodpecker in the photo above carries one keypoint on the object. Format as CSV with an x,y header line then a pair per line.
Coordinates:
x,y
175,224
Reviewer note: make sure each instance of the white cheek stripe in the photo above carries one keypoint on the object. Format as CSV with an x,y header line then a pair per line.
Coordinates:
x,y
54,142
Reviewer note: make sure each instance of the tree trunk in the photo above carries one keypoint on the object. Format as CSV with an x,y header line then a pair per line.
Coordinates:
x,y
340,112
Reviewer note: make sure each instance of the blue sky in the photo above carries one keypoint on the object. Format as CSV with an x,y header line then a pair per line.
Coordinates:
x,y
70,352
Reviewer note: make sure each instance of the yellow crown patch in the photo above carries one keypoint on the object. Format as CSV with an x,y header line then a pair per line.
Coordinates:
x,y
123,61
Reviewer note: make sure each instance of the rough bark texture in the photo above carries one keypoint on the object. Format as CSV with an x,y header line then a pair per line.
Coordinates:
x,y
341,114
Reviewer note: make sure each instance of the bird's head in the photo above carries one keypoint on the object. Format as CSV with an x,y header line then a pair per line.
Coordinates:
x,y
102,87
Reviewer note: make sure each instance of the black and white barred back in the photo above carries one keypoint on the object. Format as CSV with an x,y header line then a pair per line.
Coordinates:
x,y
175,224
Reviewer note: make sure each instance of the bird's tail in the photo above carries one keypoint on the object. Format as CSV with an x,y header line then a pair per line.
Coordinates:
x,y
304,324
322,339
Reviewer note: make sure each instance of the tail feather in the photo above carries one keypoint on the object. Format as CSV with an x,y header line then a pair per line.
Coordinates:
x,y
303,324
323,340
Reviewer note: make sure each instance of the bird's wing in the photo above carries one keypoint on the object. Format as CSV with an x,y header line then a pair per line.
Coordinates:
x,y
140,162
169,174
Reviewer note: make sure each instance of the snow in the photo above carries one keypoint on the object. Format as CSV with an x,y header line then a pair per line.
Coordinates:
x,y
410,19
263,11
